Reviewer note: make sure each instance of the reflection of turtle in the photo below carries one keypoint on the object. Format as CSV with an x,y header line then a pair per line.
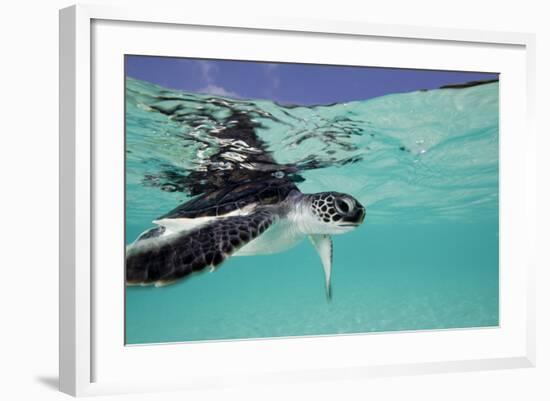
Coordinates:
x,y
250,218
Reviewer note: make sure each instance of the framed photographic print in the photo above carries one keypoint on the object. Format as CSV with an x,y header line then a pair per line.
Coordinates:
x,y
271,200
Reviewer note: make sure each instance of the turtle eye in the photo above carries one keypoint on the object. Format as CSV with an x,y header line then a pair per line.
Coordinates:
x,y
343,206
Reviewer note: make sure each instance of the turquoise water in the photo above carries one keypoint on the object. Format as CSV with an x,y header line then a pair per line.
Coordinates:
x,y
425,165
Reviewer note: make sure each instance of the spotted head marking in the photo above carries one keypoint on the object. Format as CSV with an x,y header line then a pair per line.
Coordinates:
x,y
334,212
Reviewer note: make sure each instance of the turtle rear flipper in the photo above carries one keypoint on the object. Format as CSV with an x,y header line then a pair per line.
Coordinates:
x,y
154,232
166,259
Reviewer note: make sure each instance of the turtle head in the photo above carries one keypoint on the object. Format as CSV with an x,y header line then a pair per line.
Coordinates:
x,y
333,213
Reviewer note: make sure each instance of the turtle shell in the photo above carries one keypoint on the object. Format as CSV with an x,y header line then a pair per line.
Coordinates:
x,y
233,197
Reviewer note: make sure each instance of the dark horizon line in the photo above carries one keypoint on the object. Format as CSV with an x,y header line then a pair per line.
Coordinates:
x,y
469,84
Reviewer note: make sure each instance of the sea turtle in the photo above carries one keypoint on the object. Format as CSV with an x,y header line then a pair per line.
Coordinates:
x,y
252,217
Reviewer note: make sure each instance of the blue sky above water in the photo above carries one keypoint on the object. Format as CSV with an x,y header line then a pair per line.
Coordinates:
x,y
285,83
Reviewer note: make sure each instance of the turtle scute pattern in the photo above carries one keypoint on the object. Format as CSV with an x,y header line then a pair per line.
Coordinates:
x,y
233,197
191,252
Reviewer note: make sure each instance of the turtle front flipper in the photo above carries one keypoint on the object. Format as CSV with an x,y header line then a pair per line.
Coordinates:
x,y
323,245
166,259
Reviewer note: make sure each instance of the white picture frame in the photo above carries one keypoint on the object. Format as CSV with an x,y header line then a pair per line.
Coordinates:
x,y
94,361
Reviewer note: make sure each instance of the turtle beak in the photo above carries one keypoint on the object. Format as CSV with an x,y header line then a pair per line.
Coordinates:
x,y
360,214
356,217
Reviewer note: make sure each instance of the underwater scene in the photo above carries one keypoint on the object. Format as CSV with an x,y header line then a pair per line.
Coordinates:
x,y
404,236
